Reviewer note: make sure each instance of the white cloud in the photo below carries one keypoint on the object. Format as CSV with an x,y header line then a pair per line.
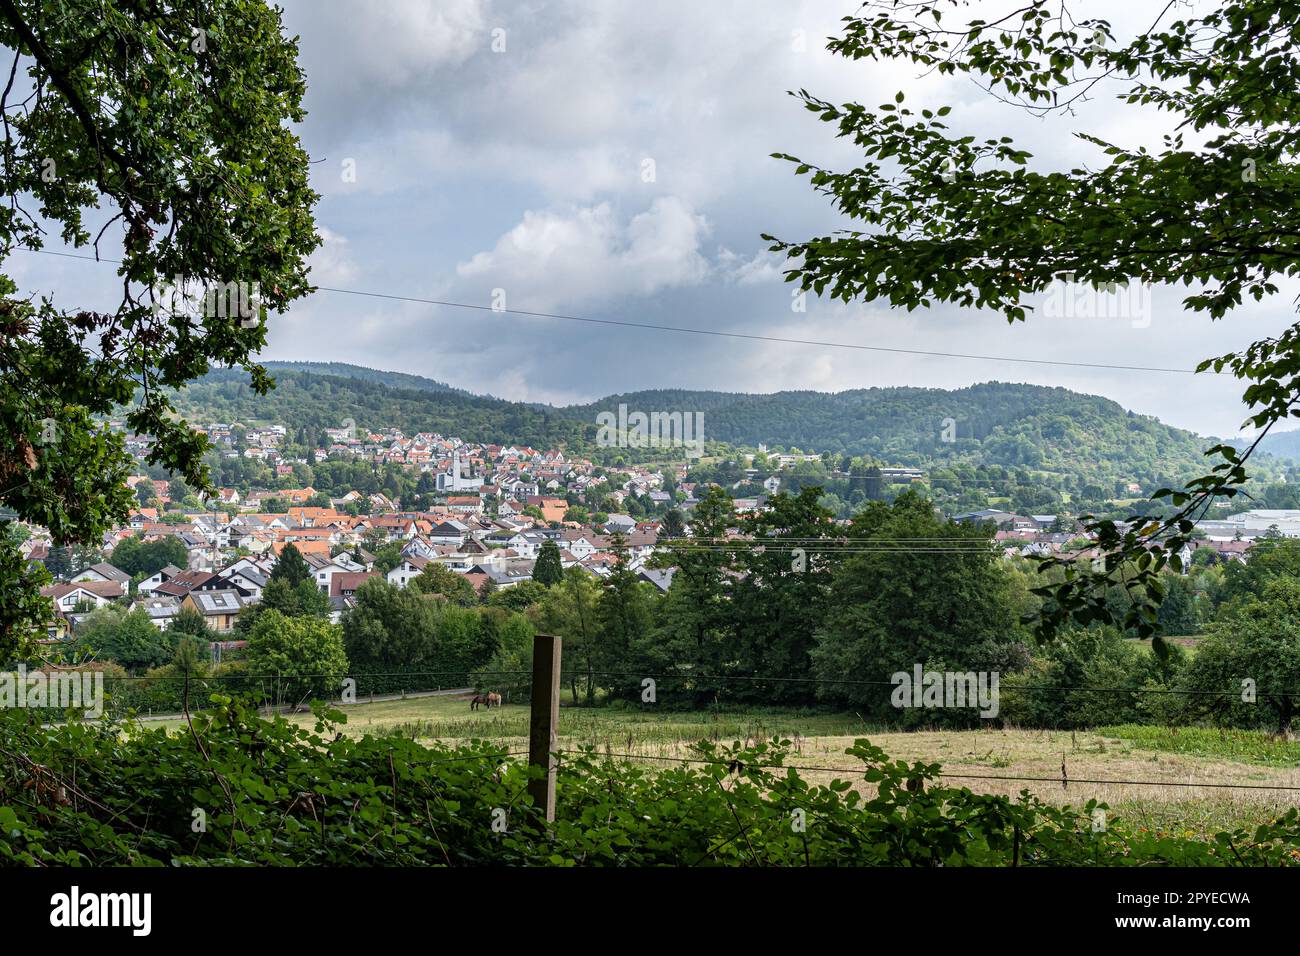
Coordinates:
x,y
331,263
764,266
588,254
389,45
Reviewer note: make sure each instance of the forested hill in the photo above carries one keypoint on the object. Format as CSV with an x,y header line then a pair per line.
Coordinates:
x,y
343,369
314,401
1034,427
1051,429
1282,444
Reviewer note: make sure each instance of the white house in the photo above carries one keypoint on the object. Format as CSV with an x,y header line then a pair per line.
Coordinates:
x,y
104,573
449,532
581,547
67,596
250,583
621,523
325,572
407,571
149,584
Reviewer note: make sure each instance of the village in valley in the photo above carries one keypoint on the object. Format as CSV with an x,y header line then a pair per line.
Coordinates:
x,y
491,510
495,507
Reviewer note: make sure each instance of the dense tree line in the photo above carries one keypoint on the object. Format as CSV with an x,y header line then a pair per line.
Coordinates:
x,y
306,400
796,610
138,557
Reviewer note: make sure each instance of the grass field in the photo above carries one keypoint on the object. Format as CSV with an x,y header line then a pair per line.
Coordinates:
x,y
1178,764
1189,644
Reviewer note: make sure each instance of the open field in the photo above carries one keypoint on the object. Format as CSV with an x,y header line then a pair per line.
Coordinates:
x,y
1180,763
1188,644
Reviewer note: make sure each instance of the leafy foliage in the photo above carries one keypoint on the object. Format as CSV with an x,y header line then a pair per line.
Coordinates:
x,y
548,570
1256,640
305,655
166,129
945,217
571,609
127,637
392,629
276,794
898,606
441,580
135,556
291,567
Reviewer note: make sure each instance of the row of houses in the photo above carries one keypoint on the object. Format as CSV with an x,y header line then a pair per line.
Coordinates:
x,y
457,466
231,558
1230,539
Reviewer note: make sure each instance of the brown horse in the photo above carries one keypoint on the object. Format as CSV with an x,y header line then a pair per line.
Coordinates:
x,y
478,699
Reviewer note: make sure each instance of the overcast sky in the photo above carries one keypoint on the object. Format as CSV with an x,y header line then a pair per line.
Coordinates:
x,y
525,169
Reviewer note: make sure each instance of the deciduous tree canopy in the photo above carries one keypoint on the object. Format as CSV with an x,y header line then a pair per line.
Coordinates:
x,y
943,215
159,136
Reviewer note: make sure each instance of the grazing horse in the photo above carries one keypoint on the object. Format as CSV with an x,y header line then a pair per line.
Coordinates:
x,y
479,699
493,700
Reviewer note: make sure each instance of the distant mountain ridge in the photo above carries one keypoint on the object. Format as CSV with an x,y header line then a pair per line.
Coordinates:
x,y
306,399
1052,431
346,370
1278,444
1032,426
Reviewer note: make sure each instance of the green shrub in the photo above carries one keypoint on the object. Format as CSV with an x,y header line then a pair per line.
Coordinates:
x,y
272,793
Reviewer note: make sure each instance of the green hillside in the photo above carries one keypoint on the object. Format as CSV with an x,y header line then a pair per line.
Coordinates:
x,y
1280,444
345,370
1051,432
1040,429
313,401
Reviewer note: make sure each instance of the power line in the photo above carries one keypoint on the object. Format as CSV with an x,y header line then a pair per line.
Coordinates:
x,y
838,556
302,677
752,336
703,680
1002,549
738,678
828,551
447,303
855,682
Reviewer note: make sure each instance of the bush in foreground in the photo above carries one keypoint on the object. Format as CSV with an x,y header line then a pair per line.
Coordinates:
x,y
236,789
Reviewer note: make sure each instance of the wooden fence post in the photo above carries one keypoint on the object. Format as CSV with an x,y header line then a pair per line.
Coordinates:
x,y
544,720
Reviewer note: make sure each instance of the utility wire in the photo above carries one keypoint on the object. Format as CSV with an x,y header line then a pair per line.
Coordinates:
x,y
479,756
845,681
718,549
696,331
825,539
699,678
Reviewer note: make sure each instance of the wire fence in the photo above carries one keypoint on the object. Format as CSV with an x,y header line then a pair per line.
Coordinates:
x,y
1046,705
269,691
1064,780
449,677
578,747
